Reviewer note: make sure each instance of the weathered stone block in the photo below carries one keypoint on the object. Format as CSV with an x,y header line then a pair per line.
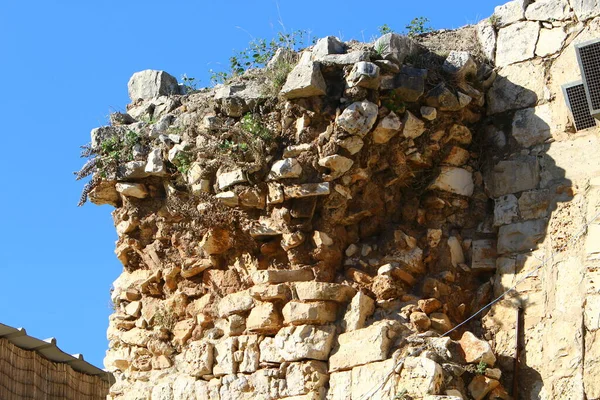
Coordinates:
x,y
484,255
531,126
305,341
360,308
358,118
522,236
362,346
421,376
517,86
149,83
506,210
548,10
513,176
454,180
317,313
517,42
305,80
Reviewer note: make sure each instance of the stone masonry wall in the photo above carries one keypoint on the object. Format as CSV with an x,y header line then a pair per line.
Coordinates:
x,y
324,240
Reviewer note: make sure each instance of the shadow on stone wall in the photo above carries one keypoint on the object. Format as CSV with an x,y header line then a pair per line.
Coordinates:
x,y
527,186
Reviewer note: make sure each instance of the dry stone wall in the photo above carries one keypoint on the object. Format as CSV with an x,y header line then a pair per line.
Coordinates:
x,y
327,240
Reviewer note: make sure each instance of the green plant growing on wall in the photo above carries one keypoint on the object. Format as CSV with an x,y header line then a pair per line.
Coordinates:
x,y
384,29
481,367
418,26
258,53
189,83
183,162
252,124
165,318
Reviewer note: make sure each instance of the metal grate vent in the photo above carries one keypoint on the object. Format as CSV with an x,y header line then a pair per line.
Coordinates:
x,y
588,56
578,104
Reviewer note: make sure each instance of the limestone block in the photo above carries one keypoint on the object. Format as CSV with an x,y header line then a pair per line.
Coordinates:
x,y
314,291
344,59
264,318
534,204
282,275
364,379
585,9
216,241
304,377
358,118
198,358
286,168
522,236
183,331
352,143
592,240
413,127
550,41
481,385
387,128
207,390
442,98
149,84
327,45
486,34
574,160
364,74
428,113
517,86
510,12
227,179
317,313
360,308
440,322
395,47
456,156
512,176
266,292
484,255
476,350
136,337
305,80
228,198
249,353
135,169
531,126
305,341
454,180
460,63
362,346
516,42
336,164
137,190
506,210
408,85
184,388
420,320
224,357
306,190
340,385
420,377
162,391
235,303
549,10
456,251
591,365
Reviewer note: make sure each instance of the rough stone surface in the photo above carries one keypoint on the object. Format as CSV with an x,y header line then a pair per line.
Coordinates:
x,y
315,291
585,9
306,341
327,45
548,10
387,128
421,376
305,80
358,118
522,236
395,47
517,86
360,308
513,176
550,41
317,313
149,84
476,350
510,12
517,42
362,346
506,210
532,126
454,180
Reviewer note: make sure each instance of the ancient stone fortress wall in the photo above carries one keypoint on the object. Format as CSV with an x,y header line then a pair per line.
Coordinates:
x,y
327,239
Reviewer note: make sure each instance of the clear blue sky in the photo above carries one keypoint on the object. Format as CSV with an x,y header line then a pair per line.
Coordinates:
x,y
64,65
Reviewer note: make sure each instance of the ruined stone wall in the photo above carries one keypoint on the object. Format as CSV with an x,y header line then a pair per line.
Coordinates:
x,y
326,239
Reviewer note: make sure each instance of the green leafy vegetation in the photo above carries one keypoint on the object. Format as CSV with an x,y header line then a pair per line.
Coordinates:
x,y
251,124
393,102
481,367
258,53
418,26
183,162
190,83
384,29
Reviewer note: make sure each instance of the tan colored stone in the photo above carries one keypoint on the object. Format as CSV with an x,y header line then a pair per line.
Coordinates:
x,y
315,313
440,322
481,385
248,350
477,350
420,377
365,380
183,331
429,305
363,346
198,358
235,303
266,292
305,341
420,320
264,318
340,385
313,291
216,241
224,357
456,156
282,275
360,308
304,377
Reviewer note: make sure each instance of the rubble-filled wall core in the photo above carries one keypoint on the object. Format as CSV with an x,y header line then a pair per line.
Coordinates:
x,y
330,239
